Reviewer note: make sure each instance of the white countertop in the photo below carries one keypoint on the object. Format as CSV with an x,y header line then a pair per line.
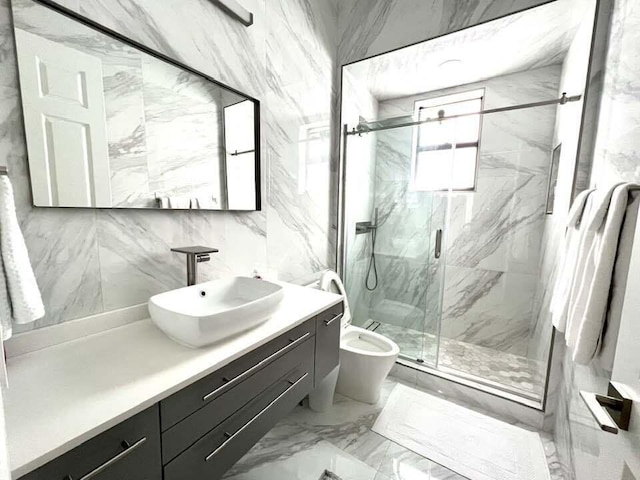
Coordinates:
x,y
63,395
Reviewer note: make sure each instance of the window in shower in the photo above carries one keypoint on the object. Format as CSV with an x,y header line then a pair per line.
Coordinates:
x,y
446,151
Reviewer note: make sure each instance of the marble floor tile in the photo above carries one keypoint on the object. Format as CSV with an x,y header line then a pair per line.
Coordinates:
x,y
347,425
305,444
515,372
288,454
402,464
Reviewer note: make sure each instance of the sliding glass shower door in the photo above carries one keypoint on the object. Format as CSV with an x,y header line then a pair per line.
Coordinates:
x,y
444,236
393,242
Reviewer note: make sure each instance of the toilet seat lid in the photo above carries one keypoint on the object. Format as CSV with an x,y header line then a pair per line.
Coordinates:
x,y
330,282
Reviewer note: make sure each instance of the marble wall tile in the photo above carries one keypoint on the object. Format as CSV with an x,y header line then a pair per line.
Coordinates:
x,y
112,259
401,296
499,226
184,107
299,221
8,72
488,308
63,246
124,104
245,242
130,182
370,27
231,53
133,255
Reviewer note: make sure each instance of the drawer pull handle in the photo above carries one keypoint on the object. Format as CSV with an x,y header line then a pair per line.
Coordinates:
x,y
258,415
127,450
330,321
256,367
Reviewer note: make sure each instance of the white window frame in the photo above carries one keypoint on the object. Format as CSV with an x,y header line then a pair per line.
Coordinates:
x,y
444,100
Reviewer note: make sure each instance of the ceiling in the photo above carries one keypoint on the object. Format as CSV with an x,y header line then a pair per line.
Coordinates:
x,y
535,38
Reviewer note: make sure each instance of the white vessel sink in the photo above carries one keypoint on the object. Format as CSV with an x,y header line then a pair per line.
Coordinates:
x,y
209,312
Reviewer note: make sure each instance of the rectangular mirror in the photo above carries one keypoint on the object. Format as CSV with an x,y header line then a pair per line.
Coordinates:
x,y
112,124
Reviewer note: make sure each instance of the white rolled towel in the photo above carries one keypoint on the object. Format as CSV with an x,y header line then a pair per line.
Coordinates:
x,y
20,299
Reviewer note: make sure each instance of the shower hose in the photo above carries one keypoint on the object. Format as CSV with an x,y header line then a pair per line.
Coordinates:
x,y
372,265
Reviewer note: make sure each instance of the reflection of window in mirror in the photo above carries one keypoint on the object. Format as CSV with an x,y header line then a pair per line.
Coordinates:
x,y
311,160
445,153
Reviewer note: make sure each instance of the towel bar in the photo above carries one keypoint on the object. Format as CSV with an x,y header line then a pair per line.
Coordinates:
x,y
611,411
4,170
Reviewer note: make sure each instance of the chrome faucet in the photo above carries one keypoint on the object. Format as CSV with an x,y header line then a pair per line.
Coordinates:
x,y
195,255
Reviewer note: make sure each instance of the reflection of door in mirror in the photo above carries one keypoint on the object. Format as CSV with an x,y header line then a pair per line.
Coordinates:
x,y
65,123
239,141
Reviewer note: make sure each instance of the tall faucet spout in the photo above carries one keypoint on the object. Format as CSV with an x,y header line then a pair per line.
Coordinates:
x,y
196,254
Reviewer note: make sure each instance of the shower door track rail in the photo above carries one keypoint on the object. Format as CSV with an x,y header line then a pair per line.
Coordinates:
x,y
407,121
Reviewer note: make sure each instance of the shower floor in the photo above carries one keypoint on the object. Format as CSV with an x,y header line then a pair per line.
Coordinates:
x,y
506,370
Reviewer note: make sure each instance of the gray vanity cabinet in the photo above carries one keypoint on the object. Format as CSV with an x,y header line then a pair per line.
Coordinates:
x,y
128,451
212,455
327,341
201,431
287,358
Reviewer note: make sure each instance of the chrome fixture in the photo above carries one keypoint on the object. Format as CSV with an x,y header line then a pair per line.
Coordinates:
x,y
409,121
195,255
611,411
438,249
364,227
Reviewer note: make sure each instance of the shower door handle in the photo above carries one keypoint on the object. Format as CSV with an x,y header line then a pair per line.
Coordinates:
x,y
438,249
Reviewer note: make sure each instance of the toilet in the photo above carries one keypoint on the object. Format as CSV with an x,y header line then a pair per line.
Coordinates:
x,y
366,357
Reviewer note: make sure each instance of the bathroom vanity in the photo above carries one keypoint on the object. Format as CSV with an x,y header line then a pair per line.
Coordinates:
x,y
130,404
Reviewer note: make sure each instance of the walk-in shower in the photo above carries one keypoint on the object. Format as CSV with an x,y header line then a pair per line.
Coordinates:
x,y
445,243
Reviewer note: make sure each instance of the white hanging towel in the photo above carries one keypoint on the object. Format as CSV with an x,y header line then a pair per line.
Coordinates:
x,y
20,300
567,264
596,261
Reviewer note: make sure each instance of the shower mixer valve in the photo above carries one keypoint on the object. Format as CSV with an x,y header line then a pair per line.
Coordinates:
x,y
364,227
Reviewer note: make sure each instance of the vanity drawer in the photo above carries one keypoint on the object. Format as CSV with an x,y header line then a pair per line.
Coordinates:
x,y
190,399
128,451
328,325
211,456
182,435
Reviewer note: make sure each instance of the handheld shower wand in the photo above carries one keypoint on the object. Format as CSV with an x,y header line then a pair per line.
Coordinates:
x,y
372,259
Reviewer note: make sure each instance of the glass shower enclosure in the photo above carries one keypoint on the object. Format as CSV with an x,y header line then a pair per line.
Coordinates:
x,y
449,187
